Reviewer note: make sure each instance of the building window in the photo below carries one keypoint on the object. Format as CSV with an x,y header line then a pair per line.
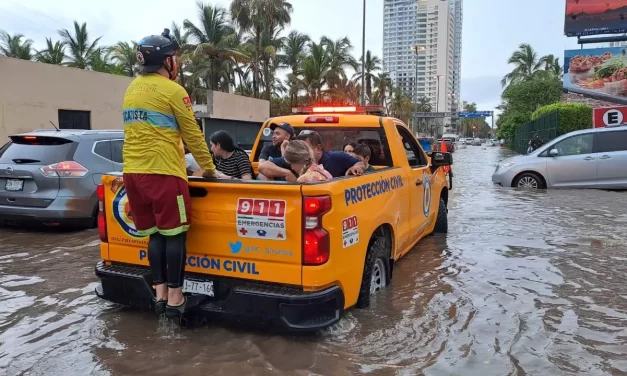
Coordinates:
x,y
71,119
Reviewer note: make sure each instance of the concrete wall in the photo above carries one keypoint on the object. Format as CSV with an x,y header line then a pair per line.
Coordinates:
x,y
233,107
31,94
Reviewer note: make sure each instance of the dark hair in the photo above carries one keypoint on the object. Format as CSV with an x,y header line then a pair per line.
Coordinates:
x,y
363,150
224,139
352,143
312,136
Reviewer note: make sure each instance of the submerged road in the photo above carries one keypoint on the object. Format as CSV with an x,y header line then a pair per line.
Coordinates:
x,y
525,283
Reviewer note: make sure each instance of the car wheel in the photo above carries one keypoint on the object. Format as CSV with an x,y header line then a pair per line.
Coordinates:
x,y
376,275
529,180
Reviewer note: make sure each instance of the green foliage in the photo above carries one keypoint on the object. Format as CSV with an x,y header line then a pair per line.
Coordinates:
x,y
520,100
572,116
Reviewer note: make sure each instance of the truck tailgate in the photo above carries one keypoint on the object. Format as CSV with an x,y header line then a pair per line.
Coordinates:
x,y
241,230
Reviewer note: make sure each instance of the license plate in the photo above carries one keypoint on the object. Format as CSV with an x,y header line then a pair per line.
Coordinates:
x,y
198,287
14,185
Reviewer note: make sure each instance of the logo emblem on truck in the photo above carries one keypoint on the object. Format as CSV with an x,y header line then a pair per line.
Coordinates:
x,y
122,213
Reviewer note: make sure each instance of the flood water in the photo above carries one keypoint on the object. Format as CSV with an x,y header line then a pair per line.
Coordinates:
x,y
525,283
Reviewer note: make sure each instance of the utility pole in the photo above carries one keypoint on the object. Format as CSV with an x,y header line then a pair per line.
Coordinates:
x,y
363,58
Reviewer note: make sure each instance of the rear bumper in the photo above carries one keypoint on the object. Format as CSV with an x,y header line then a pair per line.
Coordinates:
x,y
64,211
288,307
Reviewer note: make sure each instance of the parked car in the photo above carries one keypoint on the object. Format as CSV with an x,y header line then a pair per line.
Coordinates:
x,y
490,142
469,140
476,142
461,144
590,158
450,146
50,177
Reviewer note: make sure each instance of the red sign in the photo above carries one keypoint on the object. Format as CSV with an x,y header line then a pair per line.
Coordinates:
x,y
260,207
349,223
609,116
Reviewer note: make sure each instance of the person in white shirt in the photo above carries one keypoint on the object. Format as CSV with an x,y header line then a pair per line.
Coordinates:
x,y
190,163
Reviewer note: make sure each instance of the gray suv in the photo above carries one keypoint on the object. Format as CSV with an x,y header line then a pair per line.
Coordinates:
x,y
49,177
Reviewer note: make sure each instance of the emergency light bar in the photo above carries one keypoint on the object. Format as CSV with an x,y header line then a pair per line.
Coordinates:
x,y
375,110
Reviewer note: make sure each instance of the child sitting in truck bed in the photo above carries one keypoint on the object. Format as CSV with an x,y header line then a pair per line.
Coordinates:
x,y
301,158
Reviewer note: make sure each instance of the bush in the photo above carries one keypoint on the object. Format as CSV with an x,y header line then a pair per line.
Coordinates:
x,y
572,116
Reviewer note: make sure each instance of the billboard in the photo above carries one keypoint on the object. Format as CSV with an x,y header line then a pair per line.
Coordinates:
x,y
599,73
593,17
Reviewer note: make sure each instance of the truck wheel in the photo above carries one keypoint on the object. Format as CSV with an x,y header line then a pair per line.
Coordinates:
x,y
376,270
441,223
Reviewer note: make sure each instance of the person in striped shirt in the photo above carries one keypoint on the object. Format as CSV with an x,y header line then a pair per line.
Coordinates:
x,y
229,158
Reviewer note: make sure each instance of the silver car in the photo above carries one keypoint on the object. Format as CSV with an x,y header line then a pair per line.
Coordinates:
x,y
49,177
590,158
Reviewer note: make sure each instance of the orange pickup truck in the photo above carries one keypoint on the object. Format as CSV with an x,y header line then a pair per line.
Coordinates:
x,y
296,255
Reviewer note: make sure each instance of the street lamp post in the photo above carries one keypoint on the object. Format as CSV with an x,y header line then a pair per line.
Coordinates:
x,y
416,49
363,57
437,99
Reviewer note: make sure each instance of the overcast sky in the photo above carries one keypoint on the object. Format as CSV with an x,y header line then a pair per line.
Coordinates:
x,y
493,29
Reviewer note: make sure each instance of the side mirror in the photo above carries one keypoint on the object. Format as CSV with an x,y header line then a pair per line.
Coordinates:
x,y
439,159
554,153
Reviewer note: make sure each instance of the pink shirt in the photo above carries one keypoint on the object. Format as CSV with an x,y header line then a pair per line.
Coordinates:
x,y
314,173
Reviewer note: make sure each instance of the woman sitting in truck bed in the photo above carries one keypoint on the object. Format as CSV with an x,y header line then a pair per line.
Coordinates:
x,y
229,159
300,156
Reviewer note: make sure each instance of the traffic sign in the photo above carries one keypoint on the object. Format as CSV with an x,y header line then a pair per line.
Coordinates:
x,y
475,114
609,116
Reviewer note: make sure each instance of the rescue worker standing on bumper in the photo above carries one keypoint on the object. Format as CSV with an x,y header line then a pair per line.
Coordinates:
x,y
157,114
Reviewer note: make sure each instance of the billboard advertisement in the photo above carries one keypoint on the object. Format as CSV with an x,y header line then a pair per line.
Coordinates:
x,y
599,73
593,17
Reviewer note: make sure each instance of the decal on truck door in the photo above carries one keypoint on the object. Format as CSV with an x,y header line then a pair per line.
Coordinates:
x,y
261,218
350,232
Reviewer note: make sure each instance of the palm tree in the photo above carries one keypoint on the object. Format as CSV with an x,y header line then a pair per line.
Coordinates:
x,y
316,70
552,65
13,46
182,36
101,61
81,49
125,54
53,54
373,64
216,44
257,17
527,65
294,49
339,53
383,83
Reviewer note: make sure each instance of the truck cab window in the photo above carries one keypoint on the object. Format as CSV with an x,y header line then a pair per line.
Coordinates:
x,y
415,155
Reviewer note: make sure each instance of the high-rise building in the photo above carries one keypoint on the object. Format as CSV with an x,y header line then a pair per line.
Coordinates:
x,y
422,50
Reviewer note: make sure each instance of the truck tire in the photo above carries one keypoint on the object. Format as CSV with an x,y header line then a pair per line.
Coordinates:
x,y
441,223
376,270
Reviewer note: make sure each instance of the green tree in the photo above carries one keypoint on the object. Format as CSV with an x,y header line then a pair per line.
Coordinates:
x,y
16,46
215,48
125,55
294,50
527,65
81,48
522,99
372,65
54,53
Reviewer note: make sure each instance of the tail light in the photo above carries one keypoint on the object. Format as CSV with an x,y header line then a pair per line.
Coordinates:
x,y
67,169
102,218
316,242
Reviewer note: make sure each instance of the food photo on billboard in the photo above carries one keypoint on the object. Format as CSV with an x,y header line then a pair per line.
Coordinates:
x,y
597,72
594,17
